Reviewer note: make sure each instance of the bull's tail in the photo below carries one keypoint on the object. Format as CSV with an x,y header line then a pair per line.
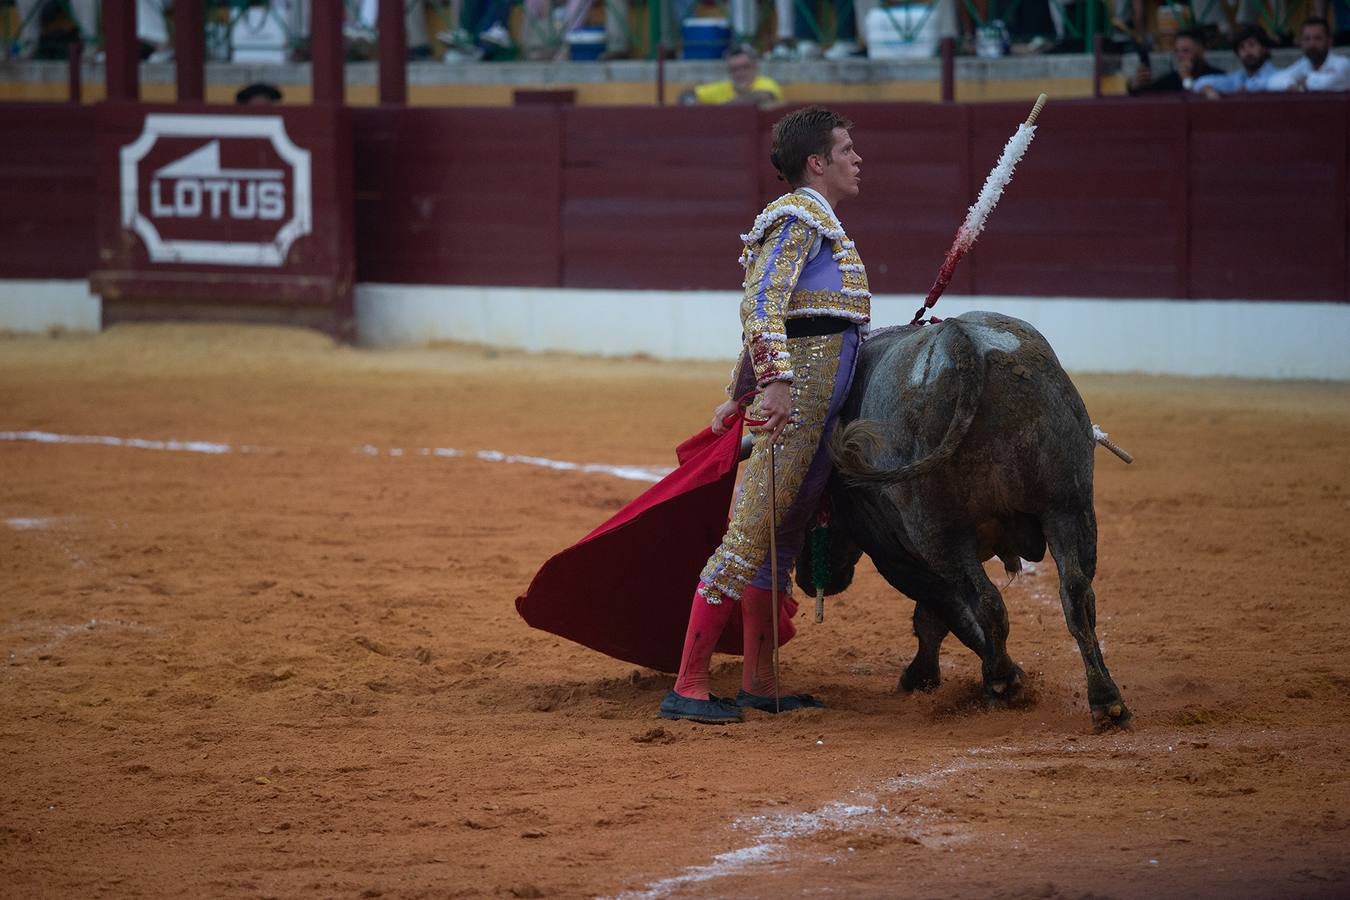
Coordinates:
x,y
855,446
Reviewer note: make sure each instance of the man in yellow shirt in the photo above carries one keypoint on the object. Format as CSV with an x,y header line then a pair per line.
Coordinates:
x,y
745,85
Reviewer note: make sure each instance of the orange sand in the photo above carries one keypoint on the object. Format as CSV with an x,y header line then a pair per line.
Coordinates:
x,y
298,671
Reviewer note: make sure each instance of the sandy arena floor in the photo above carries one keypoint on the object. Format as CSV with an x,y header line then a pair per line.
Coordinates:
x,y
295,669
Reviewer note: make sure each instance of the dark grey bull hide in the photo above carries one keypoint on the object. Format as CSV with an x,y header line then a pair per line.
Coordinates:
x,y
961,441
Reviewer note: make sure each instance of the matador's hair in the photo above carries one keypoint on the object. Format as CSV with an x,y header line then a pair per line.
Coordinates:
x,y
802,133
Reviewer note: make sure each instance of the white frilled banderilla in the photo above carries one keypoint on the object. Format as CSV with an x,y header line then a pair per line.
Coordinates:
x,y
984,204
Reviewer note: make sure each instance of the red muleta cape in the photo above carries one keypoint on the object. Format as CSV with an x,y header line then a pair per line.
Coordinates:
x,y
625,589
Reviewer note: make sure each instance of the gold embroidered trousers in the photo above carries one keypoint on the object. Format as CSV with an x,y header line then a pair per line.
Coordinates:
x,y
822,367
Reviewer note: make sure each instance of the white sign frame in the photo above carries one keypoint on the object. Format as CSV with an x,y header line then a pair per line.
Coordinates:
x,y
230,253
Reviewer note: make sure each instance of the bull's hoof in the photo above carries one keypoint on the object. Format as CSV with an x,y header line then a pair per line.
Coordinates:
x,y
1006,689
1111,715
917,680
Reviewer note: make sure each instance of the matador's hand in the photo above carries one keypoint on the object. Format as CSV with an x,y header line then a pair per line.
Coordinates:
x,y
721,414
775,402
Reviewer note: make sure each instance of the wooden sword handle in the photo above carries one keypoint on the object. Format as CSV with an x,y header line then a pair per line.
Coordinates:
x,y
1110,445
1036,110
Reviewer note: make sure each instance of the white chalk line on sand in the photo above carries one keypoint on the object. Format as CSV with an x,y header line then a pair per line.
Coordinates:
x,y
630,473
47,437
212,448
773,832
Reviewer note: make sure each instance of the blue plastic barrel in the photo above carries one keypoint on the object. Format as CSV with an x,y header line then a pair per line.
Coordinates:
x,y
586,43
705,38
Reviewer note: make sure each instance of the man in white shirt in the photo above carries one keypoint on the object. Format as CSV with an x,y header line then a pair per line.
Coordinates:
x,y
1319,69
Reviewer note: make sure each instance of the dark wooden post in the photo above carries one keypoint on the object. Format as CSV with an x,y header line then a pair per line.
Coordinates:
x,y
1097,41
660,74
326,53
189,49
121,50
74,52
393,53
948,69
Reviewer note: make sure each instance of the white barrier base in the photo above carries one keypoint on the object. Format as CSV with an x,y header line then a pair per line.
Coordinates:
x,y
1166,337
33,306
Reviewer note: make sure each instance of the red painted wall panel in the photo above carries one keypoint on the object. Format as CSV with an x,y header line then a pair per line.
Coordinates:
x,y
656,198
1117,198
457,196
48,190
1267,195
1096,207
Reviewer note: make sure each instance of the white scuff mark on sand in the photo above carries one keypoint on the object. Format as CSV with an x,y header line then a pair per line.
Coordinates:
x,y
32,524
54,530
56,633
48,437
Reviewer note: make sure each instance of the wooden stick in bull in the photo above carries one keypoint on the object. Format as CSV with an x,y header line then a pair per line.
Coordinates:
x,y
1104,439
984,204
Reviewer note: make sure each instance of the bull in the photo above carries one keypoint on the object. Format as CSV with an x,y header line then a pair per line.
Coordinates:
x,y
962,441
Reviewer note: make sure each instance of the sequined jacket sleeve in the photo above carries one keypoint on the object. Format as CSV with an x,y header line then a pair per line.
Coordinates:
x,y
768,285
742,377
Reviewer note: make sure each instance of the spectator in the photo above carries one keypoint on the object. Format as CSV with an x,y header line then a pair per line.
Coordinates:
x,y
151,26
745,85
799,35
546,31
1272,16
1339,11
478,30
1319,69
1188,64
1252,49
359,25
259,93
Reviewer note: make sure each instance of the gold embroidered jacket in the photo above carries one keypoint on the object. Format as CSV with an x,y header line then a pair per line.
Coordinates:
x,y
782,283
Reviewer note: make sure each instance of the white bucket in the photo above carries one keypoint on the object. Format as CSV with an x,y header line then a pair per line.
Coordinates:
x,y
906,31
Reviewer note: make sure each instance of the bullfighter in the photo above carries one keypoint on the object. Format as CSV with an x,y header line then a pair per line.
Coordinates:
x,y
803,311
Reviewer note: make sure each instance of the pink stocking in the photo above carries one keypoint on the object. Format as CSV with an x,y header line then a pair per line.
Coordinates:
x,y
757,627
706,622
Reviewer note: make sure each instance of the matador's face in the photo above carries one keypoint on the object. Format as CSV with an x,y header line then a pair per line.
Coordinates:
x,y
843,170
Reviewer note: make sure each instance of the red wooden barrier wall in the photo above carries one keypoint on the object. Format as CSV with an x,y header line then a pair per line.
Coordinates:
x,y
1097,207
1117,198
458,196
48,190
655,198
1268,199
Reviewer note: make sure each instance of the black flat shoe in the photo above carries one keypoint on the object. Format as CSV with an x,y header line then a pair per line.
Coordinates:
x,y
713,711
786,703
